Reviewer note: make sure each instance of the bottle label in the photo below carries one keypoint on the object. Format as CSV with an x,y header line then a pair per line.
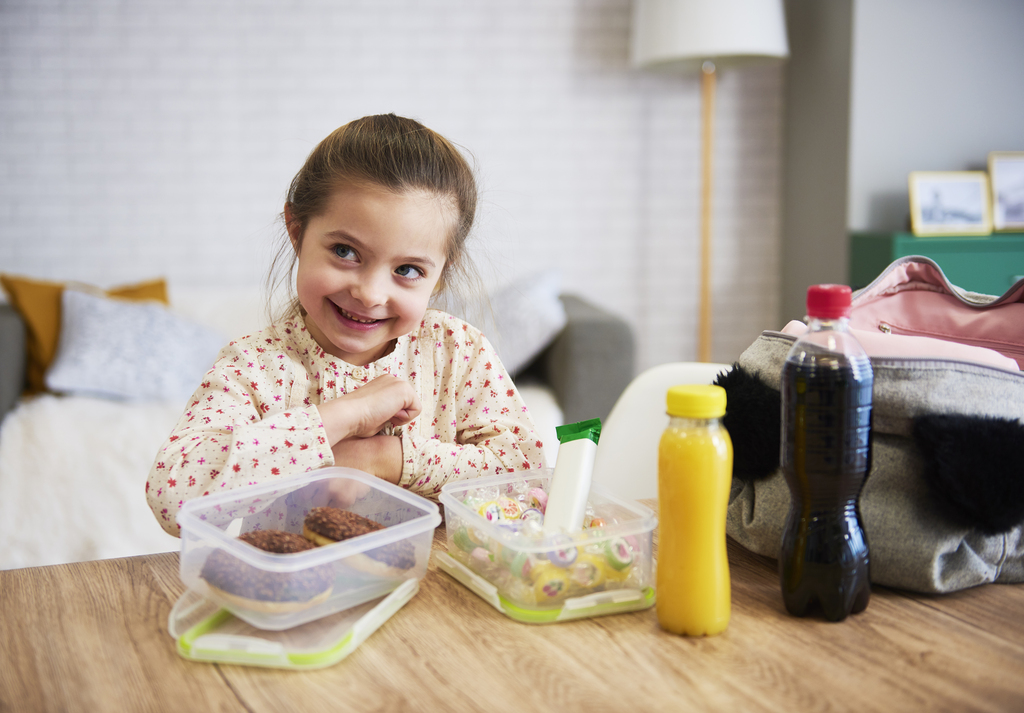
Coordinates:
x,y
827,427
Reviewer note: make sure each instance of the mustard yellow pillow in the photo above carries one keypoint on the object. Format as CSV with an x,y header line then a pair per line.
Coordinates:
x,y
39,304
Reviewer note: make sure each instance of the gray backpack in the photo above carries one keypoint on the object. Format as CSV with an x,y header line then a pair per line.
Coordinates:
x,y
943,505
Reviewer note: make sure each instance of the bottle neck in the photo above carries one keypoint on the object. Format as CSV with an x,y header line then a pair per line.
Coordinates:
x,y
820,324
683,422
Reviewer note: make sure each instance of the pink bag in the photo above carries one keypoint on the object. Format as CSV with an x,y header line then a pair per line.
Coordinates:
x,y
912,310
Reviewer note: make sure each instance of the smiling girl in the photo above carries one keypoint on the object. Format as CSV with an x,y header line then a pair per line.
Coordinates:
x,y
359,372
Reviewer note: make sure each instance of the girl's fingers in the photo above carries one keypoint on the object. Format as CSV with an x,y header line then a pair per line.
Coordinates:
x,y
387,399
404,416
364,412
342,493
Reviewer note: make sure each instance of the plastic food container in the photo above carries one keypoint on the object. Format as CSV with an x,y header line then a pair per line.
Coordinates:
x,y
274,592
205,632
606,568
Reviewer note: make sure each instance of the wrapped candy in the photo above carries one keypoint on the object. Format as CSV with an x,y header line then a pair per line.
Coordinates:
x,y
511,508
550,583
491,511
538,499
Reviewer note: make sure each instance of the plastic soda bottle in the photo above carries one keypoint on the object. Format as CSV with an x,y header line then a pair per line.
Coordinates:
x,y
826,455
694,477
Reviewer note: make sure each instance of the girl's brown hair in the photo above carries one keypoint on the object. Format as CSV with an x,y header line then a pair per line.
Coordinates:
x,y
391,152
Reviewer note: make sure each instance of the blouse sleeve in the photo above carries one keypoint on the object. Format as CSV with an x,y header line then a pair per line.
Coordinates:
x,y
481,427
249,419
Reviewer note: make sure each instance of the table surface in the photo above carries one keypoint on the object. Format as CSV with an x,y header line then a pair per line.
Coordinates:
x,y
93,636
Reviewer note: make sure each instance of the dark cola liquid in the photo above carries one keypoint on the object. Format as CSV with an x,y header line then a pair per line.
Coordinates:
x,y
826,456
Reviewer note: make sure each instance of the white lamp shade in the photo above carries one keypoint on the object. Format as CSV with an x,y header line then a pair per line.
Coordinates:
x,y
682,34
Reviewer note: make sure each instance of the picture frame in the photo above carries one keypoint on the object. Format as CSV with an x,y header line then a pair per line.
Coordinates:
x,y
1006,173
950,203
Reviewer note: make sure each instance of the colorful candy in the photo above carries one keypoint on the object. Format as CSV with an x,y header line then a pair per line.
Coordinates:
x,y
587,572
537,498
618,554
531,528
531,515
614,576
476,537
462,540
522,565
511,508
506,552
565,554
491,511
550,583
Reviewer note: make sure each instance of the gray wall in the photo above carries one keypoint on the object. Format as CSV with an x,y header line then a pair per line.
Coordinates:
x,y
816,130
876,89
936,85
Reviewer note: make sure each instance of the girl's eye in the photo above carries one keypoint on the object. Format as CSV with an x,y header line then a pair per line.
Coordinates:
x,y
344,252
408,271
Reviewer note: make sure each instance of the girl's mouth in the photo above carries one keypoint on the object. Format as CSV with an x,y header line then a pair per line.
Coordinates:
x,y
354,321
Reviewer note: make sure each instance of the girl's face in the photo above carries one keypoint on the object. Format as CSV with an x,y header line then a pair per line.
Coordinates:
x,y
368,266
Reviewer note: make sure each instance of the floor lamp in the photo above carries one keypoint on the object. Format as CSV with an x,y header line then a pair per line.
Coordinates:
x,y
704,36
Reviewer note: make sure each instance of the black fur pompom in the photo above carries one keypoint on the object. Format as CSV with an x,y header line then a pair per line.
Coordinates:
x,y
754,422
974,467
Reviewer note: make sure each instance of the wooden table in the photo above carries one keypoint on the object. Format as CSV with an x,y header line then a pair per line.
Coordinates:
x,y
93,636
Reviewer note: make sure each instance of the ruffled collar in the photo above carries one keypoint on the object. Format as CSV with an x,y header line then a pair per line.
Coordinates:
x,y
324,365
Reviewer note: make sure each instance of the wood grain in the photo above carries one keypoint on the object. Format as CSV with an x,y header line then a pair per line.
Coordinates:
x,y
93,636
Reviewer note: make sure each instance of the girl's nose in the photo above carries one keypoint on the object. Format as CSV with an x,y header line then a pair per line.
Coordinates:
x,y
371,290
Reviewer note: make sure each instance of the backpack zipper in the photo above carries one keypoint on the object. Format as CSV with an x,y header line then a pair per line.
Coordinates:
x,y
1012,351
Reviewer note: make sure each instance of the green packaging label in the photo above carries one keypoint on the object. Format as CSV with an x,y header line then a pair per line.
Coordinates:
x,y
590,428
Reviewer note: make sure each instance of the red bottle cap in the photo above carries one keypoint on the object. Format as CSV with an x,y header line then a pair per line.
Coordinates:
x,y
828,301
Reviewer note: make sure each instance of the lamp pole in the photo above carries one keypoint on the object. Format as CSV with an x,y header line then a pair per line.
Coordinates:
x,y
707,87
684,35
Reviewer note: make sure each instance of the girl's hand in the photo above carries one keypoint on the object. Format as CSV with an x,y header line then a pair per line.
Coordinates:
x,y
362,413
341,493
380,456
338,492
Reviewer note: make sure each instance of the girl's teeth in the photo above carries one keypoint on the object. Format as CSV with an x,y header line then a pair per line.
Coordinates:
x,y
356,319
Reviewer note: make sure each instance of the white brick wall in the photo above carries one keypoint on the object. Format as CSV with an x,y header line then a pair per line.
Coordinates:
x,y
158,137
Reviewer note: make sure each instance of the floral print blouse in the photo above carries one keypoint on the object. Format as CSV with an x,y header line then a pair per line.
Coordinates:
x,y
254,416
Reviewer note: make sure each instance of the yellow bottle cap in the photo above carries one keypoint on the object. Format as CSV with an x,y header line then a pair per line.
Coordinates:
x,y
696,401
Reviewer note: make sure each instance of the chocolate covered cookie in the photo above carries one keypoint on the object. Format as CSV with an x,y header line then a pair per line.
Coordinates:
x,y
327,525
255,589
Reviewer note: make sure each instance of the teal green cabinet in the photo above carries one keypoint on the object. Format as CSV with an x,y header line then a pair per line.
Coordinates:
x,y
989,264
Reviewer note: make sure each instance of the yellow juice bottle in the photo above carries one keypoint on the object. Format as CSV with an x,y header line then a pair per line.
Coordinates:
x,y
694,477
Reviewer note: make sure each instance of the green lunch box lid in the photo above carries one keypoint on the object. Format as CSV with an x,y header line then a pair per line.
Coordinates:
x,y
206,632
614,601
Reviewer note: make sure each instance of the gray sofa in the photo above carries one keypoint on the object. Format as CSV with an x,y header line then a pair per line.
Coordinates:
x,y
12,358
587,365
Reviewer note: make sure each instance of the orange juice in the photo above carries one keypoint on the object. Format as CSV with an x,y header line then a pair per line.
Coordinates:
x,y
694,477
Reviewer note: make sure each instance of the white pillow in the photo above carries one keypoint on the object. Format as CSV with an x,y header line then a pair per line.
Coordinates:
x,y
234,312
521,318
130,350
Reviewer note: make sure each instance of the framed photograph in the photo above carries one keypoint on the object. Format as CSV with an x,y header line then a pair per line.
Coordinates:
x,y
1006,171
950,203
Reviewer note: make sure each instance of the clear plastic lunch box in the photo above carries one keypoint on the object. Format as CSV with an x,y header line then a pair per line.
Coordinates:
x,y
206,632
606,568
211,525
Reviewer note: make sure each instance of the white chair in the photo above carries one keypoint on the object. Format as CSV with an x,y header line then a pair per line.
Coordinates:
x,y
627,453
